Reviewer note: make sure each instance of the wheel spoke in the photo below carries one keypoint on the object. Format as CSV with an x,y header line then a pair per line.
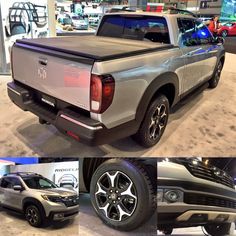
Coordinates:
x,y
100,189
105,209
122,212
152,123
128,192
112,178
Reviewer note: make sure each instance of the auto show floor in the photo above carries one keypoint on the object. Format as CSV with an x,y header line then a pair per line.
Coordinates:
x,y
201,125
90,224
14,224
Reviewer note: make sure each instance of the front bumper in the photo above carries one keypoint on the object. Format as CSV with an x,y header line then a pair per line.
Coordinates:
x,y
211,204
63,215
74,124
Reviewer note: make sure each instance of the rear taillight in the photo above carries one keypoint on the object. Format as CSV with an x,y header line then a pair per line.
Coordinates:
x,y
101,92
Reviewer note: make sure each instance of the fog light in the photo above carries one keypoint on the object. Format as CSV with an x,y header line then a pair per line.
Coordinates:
x,y
172,196
159,195
58,216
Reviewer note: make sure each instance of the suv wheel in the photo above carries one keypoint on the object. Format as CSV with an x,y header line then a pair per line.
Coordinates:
x,y
122,194
154,123
33,216
218,229
213,82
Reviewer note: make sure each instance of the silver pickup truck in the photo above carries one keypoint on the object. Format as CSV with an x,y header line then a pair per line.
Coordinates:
x,y
117,83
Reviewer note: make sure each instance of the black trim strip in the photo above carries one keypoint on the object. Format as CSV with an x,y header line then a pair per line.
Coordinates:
x,y
196,187
54,51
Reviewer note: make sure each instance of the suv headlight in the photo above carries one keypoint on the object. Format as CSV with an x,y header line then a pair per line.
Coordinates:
x,y
52,198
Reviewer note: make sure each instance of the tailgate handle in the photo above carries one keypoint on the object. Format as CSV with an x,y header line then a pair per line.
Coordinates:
x,y
43,61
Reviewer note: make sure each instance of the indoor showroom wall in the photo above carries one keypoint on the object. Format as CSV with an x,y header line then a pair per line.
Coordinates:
x,y
53,171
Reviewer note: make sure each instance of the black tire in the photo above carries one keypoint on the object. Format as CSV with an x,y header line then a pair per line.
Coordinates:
x,y
167,231
224,33
218,229
144,136
129,175
34,216
213,82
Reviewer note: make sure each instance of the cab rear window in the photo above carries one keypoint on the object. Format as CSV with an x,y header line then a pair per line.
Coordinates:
x,y
143,28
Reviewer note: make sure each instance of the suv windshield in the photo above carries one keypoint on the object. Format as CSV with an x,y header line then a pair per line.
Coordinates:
x,y
37,182
137,27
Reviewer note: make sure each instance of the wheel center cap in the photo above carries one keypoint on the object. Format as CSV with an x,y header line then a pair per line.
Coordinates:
x,y
114,196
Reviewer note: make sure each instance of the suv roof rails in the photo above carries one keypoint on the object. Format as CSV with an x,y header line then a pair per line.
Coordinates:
x,y
21,173
173,10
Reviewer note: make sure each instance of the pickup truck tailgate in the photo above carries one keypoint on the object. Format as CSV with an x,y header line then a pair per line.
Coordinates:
x,y
60,76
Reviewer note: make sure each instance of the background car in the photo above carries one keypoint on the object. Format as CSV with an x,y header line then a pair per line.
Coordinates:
x,y
78,22
227,29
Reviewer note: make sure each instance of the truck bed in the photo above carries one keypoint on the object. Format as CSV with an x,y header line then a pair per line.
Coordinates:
x,y
94,47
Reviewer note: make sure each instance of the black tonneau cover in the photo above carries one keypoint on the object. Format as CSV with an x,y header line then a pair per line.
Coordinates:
x,y
94,47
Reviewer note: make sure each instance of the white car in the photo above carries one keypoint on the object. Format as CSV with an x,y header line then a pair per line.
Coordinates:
x,y
79,22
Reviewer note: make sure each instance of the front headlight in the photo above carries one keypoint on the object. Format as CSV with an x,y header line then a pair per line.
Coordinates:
x,y
51,198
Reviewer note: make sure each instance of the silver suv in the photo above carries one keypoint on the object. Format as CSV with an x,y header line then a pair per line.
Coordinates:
x,y
37,198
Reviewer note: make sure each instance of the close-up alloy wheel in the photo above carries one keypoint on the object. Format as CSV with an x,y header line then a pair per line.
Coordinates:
x,y
122,193
33,216
116,195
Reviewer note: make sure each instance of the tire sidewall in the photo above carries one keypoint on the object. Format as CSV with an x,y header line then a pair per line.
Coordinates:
x,y
213,82
144,197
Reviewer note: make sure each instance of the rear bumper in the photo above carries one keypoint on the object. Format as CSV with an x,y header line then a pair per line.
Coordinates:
x,y
79,126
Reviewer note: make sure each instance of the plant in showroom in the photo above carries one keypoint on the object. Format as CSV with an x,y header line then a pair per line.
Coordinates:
x,y
122,191
193,193
37,197
121,82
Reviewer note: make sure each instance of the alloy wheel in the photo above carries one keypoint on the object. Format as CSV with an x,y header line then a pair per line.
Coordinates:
x,y
116,195
32,216
158,122
218,72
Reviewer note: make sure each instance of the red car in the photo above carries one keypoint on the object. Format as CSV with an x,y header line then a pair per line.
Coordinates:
x,y
228,28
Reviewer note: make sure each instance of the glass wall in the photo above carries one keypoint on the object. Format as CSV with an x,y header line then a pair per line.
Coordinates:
x,y
20,19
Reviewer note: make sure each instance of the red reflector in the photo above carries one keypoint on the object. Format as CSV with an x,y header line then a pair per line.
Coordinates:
x,y
73,135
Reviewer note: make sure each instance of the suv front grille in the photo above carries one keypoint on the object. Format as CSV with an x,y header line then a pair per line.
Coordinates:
x,y
70,201
207,172
200,199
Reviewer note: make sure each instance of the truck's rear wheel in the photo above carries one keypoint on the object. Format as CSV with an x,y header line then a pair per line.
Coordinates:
x,y
218,229
154,123
213,82
122,194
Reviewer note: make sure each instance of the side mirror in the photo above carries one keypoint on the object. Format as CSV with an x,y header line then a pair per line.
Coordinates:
x,y
18,188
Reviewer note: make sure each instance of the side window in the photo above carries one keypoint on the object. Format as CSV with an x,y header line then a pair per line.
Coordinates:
x,y
9,182
203,33
188,32
44,184
5,183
